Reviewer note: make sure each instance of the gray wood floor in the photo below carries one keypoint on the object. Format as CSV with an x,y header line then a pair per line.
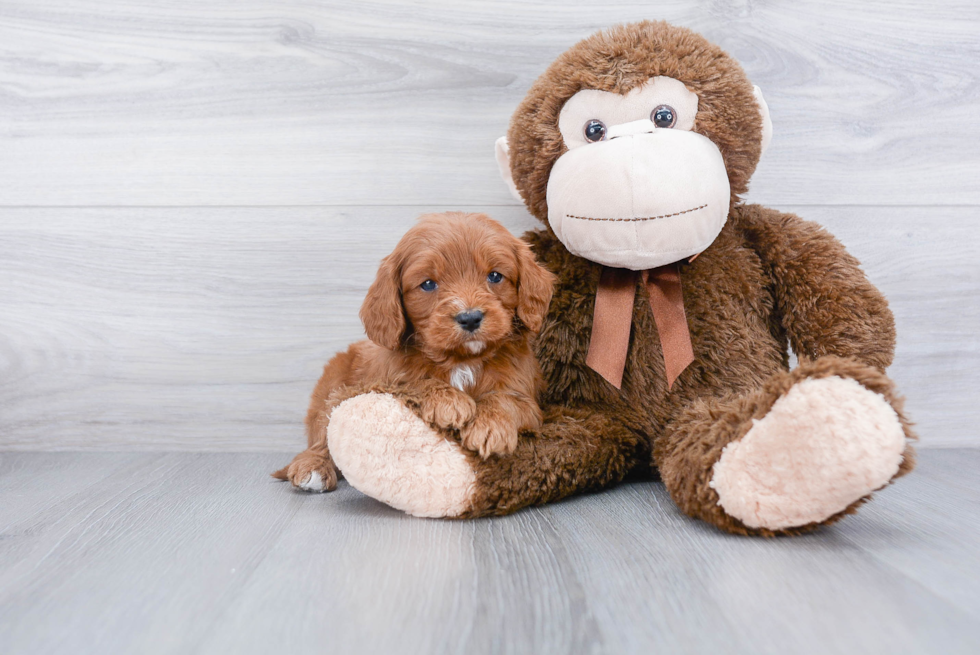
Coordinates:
x,y
203,553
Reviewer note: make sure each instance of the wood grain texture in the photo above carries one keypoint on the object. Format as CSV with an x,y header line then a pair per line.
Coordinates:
x,y
185,553
205,329
254,102
27,483
161,543
928,534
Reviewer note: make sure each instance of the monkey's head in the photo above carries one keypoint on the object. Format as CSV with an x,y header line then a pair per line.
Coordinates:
x,y
634,144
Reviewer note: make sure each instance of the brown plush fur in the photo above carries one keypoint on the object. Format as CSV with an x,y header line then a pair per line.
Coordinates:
x,y
769,281
416,342
746,300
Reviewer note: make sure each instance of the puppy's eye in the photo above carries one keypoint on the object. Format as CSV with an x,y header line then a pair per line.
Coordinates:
x,y
494,277
428,285
595,130
663,116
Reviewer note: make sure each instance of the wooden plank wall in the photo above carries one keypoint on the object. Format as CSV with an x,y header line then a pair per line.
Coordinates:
x,y
194,195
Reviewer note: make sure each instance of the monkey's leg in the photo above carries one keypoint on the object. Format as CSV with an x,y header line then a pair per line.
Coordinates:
x,y
387,452
802,451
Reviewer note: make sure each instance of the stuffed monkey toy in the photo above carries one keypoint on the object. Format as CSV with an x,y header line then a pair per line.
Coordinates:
x,y
665,348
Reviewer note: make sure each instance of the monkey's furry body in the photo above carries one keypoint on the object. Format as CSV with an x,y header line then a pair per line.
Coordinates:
x,y
739,440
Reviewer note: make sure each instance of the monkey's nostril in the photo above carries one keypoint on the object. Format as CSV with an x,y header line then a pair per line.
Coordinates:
x,y
470,320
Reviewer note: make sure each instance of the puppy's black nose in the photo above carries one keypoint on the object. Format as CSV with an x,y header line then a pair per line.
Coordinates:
x,y
470,320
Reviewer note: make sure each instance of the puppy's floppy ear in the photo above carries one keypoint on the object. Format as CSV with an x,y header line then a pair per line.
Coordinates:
x,y
382,313
534,288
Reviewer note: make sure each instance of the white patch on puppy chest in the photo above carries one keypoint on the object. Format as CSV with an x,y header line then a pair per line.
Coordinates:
x,y
463,377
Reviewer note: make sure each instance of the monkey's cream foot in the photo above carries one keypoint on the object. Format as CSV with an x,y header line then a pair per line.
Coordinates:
x,y
825,444
388,453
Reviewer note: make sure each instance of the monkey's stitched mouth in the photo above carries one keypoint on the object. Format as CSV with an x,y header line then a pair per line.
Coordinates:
x,y
634,220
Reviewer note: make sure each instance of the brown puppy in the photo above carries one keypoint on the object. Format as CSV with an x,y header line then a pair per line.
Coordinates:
x,y
450,316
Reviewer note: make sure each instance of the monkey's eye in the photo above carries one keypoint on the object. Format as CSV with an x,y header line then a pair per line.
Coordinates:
x,y
428,285
595,130
494,277
663,116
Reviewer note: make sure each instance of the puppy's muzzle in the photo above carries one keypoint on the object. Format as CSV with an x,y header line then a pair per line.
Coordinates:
x,y
470,320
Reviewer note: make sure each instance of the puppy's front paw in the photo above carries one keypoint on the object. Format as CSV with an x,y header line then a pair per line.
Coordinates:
x,y
312,472
448,409
489,437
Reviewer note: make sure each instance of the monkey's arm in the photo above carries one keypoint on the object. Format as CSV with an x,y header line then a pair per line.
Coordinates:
x,y
825,302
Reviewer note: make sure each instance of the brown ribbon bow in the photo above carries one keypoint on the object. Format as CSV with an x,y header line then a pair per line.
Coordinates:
x,y
613,318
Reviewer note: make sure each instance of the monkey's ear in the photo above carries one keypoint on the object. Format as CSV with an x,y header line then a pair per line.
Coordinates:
x,y
535,285
502,152
382,313
766,121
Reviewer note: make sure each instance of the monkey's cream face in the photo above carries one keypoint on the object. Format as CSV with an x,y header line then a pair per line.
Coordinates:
x,y
637,187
